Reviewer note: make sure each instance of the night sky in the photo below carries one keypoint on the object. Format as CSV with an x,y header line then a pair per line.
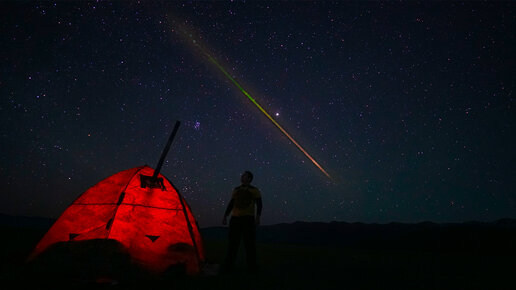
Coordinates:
x,y
408,106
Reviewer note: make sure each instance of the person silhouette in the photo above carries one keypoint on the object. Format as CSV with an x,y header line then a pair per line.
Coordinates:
x,y
243,222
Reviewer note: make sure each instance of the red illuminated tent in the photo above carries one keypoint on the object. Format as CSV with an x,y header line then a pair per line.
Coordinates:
x,y
138,209
155,225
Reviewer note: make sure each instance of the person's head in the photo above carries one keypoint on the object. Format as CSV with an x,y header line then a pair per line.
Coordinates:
x,y
246,177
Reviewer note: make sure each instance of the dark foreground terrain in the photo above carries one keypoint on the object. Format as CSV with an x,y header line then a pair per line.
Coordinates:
x,y
306,256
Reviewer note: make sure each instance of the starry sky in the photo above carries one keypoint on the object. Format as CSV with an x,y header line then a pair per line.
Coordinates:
x,y
408,106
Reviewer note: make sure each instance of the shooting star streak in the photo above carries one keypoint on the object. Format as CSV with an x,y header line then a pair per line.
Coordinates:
x,y
214,62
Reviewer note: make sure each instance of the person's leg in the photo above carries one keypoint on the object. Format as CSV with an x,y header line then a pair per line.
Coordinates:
x,y
249,233
235,234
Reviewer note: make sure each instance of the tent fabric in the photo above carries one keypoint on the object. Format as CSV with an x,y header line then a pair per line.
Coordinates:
x,y
155,225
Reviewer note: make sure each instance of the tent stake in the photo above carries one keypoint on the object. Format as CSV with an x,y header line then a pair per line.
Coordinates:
x,y
165,151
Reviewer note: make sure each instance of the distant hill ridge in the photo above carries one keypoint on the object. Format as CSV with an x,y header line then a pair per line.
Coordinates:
x,y
499,234
26,221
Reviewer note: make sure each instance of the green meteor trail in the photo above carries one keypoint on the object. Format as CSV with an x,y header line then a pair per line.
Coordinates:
x,y
214,62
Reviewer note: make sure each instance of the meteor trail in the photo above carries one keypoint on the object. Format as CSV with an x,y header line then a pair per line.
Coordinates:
x,y
214,62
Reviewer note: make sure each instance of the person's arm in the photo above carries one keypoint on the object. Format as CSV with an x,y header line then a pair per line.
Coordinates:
x,y
228,211
259,206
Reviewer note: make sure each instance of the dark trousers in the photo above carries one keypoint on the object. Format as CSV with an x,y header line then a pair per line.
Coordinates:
x,y
242,227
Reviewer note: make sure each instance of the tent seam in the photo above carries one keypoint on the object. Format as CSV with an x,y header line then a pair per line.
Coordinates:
x,y
189,225
118,206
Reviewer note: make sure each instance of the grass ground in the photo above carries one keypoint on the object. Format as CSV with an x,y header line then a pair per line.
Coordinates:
x,y
288,266
313,267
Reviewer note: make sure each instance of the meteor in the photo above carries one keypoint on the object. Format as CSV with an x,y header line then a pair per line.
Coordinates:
x,y
221,68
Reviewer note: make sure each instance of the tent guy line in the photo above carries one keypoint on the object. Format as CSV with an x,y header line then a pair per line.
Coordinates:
x,y
221,68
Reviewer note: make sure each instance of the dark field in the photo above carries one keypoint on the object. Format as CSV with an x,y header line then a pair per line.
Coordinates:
x,y
313,256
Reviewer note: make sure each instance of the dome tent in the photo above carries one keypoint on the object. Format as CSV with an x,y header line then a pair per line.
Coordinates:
x,y
155,225
142,212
